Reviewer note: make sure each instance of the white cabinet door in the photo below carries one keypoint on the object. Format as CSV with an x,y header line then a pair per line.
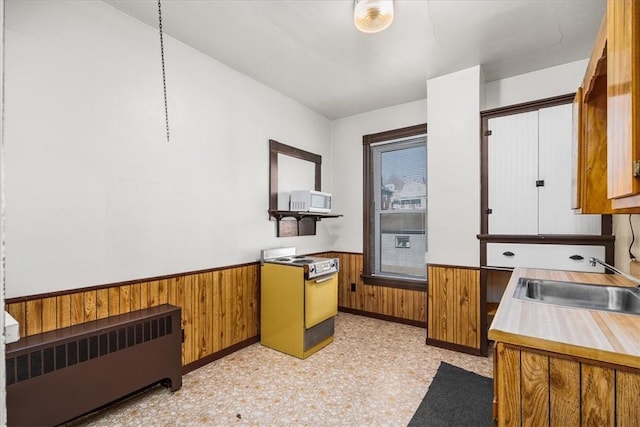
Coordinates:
x,y
529,175
512,174
555,215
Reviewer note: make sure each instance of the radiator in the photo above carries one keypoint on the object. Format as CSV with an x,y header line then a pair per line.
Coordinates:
x,y
59,375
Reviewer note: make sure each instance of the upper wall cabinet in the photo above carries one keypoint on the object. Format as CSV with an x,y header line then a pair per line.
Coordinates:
x,y
623,102
606,132
529,185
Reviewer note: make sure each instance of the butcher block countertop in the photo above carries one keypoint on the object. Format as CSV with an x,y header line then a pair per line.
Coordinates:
x,y
593,334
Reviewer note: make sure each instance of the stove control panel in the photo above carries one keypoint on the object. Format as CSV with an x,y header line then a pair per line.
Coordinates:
x,y
320,268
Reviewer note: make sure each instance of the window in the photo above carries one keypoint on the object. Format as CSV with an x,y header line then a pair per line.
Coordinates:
x,y
403,241
395,207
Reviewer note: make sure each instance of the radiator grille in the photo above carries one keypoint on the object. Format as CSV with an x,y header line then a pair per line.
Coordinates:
x,y
42,362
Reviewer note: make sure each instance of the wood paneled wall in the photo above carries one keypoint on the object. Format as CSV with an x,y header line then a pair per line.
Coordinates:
x,y
540,389
400,304
454,306
220,308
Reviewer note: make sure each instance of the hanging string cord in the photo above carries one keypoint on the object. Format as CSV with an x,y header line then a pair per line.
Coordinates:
x,y
164,77
633,239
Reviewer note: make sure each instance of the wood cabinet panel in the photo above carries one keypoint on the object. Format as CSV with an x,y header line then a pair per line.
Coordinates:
x,y
594,150
623,83
564,392
628,399
508,393
598,395
577,151
534,389
539,388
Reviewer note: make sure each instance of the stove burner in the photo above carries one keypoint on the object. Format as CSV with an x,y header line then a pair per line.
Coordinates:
x,y
298,256
303,261
283,259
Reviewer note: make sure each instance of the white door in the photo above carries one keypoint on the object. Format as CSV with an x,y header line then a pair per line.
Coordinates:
x,y
512,174
555,215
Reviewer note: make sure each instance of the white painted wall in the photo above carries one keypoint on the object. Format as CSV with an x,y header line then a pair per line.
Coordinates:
x,y
347,162
455,165
453,162
3,390
94,192
625,238
535,85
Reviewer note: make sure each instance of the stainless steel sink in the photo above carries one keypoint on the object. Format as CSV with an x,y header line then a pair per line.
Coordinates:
x,y
610,298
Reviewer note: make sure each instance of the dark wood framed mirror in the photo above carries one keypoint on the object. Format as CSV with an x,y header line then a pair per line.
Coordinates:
x,y
292,223
276,148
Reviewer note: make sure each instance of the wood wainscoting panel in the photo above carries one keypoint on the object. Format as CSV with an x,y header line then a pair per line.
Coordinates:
x,y
388,302
102,303
454,306
219,307
49,311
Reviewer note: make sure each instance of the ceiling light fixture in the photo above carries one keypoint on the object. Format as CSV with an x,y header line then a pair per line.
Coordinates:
x,y
372,16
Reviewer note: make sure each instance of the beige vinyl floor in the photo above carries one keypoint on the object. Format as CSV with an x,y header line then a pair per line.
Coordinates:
x,y
375,373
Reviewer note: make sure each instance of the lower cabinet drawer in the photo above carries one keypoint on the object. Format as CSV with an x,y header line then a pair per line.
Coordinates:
x,y
555,257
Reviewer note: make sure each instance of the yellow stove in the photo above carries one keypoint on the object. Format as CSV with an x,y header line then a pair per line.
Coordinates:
x,y
298,301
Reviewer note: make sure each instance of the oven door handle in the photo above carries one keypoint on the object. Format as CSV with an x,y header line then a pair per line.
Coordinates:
x,y
324,279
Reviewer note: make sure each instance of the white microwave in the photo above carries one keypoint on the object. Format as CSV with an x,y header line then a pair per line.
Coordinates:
x,y
310,201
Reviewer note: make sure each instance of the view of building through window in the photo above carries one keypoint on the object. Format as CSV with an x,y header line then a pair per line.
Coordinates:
x,y
400,174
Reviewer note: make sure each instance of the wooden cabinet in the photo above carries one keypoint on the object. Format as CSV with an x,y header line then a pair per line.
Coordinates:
x,y
607,117
533,387
623,102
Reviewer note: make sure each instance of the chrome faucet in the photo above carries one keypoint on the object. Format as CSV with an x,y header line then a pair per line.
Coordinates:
x,y
593,261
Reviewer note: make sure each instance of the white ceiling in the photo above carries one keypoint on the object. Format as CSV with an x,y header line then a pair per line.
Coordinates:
x,y
310,51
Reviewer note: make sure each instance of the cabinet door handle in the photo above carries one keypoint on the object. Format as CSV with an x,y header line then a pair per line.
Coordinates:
x,y
508,253
576,257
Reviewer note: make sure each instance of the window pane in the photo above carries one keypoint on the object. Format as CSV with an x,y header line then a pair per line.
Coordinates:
x,y
401,239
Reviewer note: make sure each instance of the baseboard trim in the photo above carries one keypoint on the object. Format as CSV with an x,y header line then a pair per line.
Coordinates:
x,y
455,347
219,354
384,317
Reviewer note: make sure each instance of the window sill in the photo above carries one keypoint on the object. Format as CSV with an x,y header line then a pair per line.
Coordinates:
x,y
395,282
